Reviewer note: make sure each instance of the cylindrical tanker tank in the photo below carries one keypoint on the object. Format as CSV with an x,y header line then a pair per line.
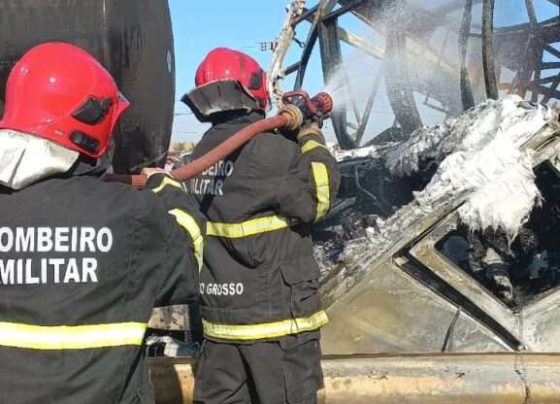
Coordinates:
x,y
133,39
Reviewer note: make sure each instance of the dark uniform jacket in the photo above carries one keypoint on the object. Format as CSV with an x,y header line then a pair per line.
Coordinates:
x,y
260,280
82,263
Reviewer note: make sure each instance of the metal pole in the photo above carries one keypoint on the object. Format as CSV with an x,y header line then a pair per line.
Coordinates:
x,y
466,87
488,50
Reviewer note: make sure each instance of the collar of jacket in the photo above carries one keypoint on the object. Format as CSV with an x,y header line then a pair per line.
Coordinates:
x,y
86,167
26,159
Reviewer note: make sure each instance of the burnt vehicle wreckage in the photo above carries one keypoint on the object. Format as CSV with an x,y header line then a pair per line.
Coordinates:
x,y
443,238
439,259
446,57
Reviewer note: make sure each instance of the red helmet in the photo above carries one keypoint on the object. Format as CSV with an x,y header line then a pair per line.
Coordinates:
x,y
228,64
60,92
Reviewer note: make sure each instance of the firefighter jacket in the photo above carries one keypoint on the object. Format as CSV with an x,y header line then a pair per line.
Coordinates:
x,y
82,263
260,279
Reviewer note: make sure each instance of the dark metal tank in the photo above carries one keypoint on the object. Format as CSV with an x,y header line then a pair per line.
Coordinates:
x,y
133,39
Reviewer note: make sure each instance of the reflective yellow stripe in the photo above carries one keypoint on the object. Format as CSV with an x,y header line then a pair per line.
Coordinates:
x,y
187,222
310,145
167,182
265,330
248,228
271,223
71,337
321,177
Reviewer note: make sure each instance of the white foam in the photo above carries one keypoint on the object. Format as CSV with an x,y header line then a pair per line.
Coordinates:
x,y
368,151
480,157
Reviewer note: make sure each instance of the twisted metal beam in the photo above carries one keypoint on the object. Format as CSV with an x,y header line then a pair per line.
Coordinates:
x,y
284,41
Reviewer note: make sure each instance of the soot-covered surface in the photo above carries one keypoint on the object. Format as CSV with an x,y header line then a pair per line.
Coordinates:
x,y
509,212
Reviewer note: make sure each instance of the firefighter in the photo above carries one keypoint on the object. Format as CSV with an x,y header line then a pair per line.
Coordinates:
x,y
261,308
82,261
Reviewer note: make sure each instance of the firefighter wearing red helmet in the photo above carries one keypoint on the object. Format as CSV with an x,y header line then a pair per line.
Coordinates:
x,y
260,304
82,261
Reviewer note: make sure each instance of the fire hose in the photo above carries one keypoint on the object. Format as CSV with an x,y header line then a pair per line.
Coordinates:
x,y
298,108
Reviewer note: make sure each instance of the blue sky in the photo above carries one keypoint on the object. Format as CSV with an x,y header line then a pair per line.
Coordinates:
x,y
203,25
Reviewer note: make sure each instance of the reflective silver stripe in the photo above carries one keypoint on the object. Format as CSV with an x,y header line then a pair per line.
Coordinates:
x,y
265,330
28,336
187,222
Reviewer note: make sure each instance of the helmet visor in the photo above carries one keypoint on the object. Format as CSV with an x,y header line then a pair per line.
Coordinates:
x,y
93,110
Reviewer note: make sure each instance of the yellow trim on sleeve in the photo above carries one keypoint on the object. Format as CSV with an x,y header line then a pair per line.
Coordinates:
x,y
188,223
321,178
311,145
167,182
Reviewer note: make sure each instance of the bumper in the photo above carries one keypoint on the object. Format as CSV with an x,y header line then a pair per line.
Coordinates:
x,y
436,378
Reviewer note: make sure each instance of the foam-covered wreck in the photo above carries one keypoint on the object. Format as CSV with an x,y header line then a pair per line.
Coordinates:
x,y
441,261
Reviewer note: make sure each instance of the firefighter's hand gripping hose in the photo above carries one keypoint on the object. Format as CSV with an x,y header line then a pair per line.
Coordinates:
x,y
298,108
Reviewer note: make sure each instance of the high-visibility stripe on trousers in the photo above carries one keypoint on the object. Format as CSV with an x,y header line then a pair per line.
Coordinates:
x,y
265,330
28,336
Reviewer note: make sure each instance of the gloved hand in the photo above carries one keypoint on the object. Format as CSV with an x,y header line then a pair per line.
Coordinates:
x,y
309,129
